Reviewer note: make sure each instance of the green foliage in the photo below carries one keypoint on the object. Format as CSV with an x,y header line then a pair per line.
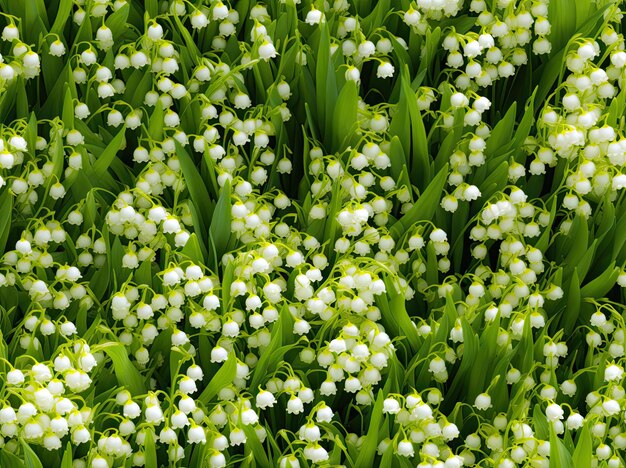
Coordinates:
x,y
300,233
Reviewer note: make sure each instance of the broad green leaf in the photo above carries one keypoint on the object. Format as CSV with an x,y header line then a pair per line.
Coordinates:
x,y
601,285
152,8
375,19
127,374
413,136
66,462
149,448
432,43
116,22
368,449
501,134
9,460
197,190
62,16
22,108
155,122
221,221
144,274
35,20
542,428
345,117
192,250
194,52
31,460
255,447
110,152
583,452
420,157
6,208
425,206
325,82
275,351
68,109
563,20
222,378
471,352
559,455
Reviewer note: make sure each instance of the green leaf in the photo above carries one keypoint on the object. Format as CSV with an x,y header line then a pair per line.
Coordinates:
x,y
483,370
192,250
616,110
22,107
155,123
68,109
99,282
117,21
420,162
345,117
368,449
501,134
221,221
273,354
401,55
9,460
85,32
222,378
6,208
397,157
397,307
110,152
601,285
425,206
583,451
563,19
376,17
325,82
197,190
525,125
31,460
152,8
143,274
254,446
432,44
576,242
149,448
66,462
127,374
120,274
559,455
471,350
540,422
190,44
35,20
63,15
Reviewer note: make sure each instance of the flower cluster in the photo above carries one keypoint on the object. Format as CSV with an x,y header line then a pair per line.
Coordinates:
x,y
345,233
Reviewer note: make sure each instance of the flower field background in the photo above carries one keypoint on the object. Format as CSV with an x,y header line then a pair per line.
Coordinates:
x,y
289,233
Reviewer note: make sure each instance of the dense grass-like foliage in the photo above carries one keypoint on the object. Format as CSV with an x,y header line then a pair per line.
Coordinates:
x,y
360,233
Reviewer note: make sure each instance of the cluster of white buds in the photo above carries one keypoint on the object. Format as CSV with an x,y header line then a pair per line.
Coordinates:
x,y
357,48
357,357
501,45
574,126
48,409
509,443
160,135
512,220
422,430
135,218
21,61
